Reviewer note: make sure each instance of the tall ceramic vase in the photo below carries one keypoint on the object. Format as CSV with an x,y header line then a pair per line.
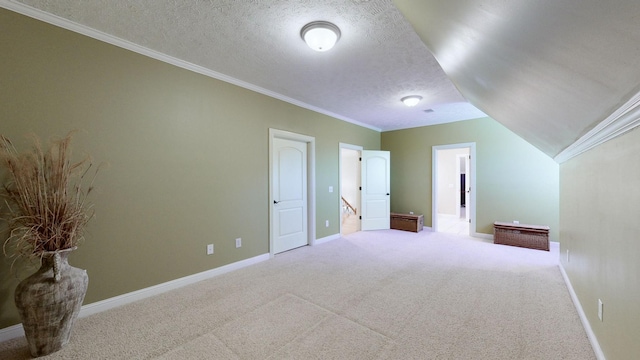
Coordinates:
x,y
49,302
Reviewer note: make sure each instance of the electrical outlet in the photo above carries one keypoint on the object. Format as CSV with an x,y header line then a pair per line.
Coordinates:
x,y
326,223
238,242
516,222
330,189
209,249
600,309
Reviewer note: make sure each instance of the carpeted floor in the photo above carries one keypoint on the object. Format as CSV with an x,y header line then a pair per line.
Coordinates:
x,y
369,295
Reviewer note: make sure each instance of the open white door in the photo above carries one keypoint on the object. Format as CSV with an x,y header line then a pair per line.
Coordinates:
x,y
467,191
376,190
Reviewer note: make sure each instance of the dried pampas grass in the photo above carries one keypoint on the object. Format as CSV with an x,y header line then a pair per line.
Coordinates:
x,y
46,196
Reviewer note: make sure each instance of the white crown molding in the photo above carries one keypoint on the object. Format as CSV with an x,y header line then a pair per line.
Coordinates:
x,y
108,304
128,45
626,118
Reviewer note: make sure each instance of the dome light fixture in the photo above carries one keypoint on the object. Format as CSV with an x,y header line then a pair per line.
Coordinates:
x,y
411,100
320,35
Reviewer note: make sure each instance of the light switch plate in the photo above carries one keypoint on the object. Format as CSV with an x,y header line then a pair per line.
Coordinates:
x,y
600,309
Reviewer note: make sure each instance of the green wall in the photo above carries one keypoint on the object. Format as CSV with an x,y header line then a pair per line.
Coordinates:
x,y
599,227
187,155
514,180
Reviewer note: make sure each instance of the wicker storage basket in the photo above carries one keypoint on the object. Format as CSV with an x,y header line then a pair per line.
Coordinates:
x,y
407,222
528,236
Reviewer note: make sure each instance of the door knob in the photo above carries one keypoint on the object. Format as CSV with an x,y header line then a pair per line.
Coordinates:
x,y
275,202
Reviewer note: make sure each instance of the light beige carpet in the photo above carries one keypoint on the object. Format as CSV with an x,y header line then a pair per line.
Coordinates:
x,y
369,295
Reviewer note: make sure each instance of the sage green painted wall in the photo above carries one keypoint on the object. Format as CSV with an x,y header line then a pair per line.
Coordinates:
x,y
187,155
515,181
599,226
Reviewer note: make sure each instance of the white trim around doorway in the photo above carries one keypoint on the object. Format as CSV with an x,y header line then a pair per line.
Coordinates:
x,y
340,147
311,182
434,179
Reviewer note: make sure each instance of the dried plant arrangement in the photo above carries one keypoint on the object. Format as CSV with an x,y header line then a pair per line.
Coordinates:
x,y
45,194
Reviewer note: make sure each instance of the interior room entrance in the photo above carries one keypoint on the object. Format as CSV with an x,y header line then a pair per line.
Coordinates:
x,y
453,179
350,209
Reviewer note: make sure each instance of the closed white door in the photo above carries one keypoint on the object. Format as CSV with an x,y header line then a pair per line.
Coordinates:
x,y
376,190
289,194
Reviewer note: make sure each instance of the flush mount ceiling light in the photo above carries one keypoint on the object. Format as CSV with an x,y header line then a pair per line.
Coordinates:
x,y
320,35
411,100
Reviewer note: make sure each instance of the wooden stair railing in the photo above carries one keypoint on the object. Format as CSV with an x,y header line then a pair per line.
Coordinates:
x,y
349,205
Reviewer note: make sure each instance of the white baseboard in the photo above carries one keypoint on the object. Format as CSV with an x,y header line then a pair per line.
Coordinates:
x,y
490,237
583,317
326,239
482,236
104,305
11,332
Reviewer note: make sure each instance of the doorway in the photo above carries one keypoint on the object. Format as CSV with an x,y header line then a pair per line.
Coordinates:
x,y
453,188
365,189
350,208
462,184
291,190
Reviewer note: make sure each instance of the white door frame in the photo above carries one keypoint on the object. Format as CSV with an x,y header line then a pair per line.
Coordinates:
x,y
471,209
358,205
311,182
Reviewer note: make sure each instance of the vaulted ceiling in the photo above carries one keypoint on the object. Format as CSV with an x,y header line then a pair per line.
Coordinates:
x,y
549,70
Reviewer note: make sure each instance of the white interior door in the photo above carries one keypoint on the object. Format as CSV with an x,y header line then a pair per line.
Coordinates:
x,y
467,190
376,190
289,179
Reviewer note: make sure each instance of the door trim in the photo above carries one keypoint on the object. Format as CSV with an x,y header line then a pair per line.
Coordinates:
x,y
434,180
311,182
358,205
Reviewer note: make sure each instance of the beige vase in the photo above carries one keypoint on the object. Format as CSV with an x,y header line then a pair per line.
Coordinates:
x,y
49,302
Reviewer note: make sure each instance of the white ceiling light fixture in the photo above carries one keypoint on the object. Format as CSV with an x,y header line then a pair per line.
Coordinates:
x,y
320,35
411,100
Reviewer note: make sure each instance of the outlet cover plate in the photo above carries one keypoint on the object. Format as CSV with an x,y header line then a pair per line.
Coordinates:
x,y
600,309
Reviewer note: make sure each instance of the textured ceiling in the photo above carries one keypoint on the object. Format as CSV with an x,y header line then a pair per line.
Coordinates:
x,y
549,70
378,60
